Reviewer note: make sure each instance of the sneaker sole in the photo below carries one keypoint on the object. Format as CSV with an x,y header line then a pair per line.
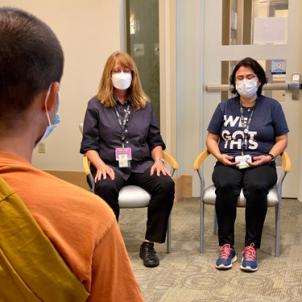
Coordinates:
x,y
224,267
248,268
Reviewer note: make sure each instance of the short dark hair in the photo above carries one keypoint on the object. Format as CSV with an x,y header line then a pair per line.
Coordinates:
x,y
256,67
31,58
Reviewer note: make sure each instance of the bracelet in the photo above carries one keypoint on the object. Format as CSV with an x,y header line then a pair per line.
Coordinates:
x,y
271,156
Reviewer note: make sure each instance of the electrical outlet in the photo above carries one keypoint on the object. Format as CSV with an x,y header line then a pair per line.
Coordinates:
x,y
42,148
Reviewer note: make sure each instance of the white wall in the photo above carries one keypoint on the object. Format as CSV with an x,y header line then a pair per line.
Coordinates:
x,y
189,71
89,32
167,42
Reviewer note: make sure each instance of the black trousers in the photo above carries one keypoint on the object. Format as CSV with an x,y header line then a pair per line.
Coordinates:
x,y
161,188
256,183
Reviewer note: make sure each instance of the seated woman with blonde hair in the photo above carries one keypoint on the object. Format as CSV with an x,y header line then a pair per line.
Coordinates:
x,y
122,140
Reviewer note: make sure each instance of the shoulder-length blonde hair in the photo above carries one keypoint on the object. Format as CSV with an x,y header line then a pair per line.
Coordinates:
x,y
136,92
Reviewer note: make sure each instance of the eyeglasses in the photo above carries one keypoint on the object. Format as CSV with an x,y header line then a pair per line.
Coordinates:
x,y
248,77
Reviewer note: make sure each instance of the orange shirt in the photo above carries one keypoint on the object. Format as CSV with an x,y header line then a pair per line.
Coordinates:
x,y
81,227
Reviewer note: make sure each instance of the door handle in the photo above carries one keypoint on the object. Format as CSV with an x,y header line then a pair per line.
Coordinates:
x,y
294,87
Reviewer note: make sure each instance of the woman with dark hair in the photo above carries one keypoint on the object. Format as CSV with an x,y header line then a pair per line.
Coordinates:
x,y
122,140
245,135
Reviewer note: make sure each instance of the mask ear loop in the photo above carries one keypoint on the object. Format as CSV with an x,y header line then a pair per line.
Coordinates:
x,y
45,103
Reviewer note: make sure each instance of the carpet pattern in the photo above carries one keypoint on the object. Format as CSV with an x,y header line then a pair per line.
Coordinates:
x,y
185,275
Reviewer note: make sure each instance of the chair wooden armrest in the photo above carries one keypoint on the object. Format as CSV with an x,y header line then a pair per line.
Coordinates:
x,y
86,165
170,160
167,157
286,163
200,159
89,177
286,167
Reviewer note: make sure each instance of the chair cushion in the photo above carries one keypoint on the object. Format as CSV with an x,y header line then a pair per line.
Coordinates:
x,y
209,197
133,197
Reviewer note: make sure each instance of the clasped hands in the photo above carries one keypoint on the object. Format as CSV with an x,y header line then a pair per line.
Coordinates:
x,y
258,160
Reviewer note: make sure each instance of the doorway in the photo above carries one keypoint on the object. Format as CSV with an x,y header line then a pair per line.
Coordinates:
x,y
143,45
270,32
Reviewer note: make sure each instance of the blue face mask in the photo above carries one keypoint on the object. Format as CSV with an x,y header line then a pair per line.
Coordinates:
x,y
56,121
51,125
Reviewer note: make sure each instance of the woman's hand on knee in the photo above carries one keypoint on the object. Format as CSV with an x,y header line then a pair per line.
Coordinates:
x,y
158,167
102,173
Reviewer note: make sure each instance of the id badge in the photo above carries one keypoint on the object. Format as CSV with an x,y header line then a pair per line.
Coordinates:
x,y
123,156
243,161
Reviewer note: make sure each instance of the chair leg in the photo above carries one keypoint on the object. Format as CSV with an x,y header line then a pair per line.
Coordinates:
x,y
169,235
215,226
277,230
201,229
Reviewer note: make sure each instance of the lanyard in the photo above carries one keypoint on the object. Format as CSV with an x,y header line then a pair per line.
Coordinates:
x,y
123,123
246,126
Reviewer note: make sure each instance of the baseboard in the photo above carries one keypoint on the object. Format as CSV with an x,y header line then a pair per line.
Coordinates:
x,y
183,187
74,177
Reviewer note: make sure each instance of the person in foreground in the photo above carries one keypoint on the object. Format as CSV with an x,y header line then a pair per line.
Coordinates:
x,y
246,134
122,140
79,224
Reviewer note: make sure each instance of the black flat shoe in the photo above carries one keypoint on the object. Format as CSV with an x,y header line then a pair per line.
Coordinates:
x,y
148,254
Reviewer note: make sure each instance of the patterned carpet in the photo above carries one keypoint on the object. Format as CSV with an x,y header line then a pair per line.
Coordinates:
x,y
185,275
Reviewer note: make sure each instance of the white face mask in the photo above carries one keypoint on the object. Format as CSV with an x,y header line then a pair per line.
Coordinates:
x,y
121,80
51,125
247,88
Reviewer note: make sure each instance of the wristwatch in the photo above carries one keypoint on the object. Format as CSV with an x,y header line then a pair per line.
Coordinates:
x,y
271,156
